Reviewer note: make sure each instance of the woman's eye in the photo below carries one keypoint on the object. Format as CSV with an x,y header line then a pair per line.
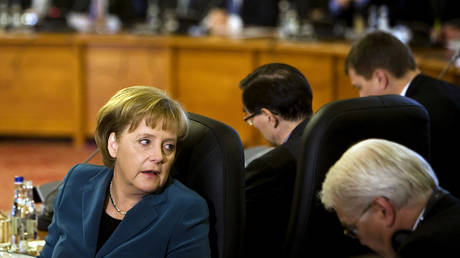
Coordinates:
x,y
169,148
144,141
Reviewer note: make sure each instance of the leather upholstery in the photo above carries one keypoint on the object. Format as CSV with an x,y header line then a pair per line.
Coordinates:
x,y
334,128
211,162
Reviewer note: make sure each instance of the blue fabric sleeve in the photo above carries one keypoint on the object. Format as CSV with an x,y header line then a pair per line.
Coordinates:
x,y
190,237
53,229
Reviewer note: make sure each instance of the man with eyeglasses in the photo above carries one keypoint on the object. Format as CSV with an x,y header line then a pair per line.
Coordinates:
x,y
277,100
388,197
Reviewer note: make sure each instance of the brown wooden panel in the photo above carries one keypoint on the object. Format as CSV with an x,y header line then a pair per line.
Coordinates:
x,y
37,86
54,84
109,69
207,84
343,83
317,69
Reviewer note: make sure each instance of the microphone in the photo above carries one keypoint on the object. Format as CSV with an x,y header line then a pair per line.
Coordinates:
x,y
451,61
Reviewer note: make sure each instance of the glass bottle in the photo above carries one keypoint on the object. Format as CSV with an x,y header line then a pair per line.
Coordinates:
x,y
17,227
23,216
29,215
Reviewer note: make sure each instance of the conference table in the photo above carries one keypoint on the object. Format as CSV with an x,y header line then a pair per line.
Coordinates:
x,y
5,235
37,246
53,84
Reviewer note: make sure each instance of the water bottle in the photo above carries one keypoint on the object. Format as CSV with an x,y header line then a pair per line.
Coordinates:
x,y
29,215
23,216
17,228
153,16
372,21
4,15
383,22
15,16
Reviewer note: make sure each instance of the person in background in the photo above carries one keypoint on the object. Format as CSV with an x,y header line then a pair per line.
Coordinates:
x,y
277,100
250,13
131,207
430,22
388,197
447,22
345,10
380,64
190,14
125,10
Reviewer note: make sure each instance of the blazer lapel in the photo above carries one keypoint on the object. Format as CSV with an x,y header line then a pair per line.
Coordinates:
x,y
93,199
135,221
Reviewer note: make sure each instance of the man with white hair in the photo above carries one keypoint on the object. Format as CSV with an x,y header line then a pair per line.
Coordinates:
x,y
388,197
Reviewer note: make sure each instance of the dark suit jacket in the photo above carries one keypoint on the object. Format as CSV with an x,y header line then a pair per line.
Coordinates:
x,y
260,12
438,235
125,10
425,11
269,188
442,101
173,223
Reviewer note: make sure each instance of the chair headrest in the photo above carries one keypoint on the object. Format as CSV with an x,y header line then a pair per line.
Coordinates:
x,y
211,162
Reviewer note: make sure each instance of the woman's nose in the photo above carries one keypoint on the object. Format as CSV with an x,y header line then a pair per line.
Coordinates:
x,y
156,154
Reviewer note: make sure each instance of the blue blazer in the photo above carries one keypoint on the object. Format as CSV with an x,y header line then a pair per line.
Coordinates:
x,y
173,223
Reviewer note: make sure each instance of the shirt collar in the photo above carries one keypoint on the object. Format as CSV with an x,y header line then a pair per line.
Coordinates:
x,y
419,219
403,92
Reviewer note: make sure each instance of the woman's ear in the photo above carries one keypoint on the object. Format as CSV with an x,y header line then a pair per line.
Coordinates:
x,y
112,145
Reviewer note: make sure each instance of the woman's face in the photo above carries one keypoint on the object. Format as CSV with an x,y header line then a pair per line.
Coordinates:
x,y
143,157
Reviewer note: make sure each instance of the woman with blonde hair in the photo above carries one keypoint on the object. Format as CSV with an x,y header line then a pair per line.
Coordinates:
x,y
131,207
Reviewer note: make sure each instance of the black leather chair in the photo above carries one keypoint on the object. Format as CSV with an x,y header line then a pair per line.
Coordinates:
x,y
211,162
334,128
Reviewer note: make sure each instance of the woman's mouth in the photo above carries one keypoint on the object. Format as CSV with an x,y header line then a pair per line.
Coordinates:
x,y
151,172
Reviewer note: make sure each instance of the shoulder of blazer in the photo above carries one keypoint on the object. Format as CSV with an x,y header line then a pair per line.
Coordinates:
x,y
85,173
178,190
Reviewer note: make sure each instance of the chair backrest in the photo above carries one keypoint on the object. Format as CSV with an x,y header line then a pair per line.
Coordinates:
x,y
331,131
211,162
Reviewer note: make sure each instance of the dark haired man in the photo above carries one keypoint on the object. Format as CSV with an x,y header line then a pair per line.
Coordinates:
x,y
380,64
277,100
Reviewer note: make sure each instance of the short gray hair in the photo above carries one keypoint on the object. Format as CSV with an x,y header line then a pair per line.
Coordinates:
x,y
374,168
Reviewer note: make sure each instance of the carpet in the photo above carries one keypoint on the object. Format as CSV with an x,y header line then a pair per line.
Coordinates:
x,y
39,160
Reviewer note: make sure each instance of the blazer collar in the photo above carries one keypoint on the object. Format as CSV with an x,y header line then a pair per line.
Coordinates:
x,y
93,198
136,220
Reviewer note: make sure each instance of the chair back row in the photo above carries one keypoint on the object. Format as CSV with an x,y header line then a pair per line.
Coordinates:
x,y
211,162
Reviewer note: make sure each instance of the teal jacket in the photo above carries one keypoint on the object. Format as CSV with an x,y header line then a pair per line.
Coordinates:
x,y
173,223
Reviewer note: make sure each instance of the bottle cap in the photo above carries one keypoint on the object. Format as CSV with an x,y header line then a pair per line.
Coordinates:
x,y
18,179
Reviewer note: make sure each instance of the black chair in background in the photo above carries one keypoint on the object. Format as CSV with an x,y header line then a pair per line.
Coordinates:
x,y
211,162
334,128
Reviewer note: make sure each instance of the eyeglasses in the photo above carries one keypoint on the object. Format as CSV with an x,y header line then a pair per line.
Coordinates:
x,y
247,119
352,230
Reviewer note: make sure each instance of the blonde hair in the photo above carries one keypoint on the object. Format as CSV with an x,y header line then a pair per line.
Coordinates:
x,y
374,168
130,106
